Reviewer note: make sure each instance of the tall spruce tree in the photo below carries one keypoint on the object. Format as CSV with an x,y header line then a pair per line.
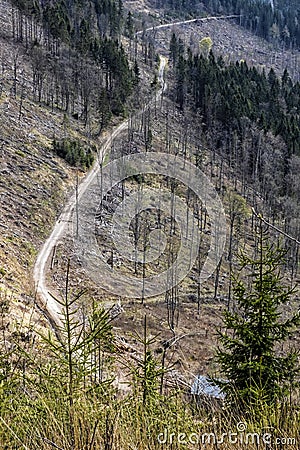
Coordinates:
x,y
255,372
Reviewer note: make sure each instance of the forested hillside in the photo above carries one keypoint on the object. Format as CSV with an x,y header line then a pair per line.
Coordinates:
x,y
79,64
252,119
71,20
64,77
117,364
277,21
230,92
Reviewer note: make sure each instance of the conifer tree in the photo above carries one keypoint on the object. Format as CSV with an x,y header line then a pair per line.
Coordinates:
x,y
255,373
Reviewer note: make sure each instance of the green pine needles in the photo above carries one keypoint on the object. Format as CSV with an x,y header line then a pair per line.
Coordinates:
x,y
257,374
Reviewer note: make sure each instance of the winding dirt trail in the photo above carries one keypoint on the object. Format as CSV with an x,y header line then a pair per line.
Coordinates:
x,y
47,302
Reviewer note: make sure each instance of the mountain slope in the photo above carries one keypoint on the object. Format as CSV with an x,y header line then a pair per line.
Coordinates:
x,y
56,94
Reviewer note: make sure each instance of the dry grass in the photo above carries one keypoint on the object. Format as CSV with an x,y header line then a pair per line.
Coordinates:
x,y
36,414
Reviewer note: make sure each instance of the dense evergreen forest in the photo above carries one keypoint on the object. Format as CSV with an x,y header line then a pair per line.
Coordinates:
x,y
228,93
278,21
70,20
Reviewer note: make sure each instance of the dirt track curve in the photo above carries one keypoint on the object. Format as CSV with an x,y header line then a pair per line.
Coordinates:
x,y
47,302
